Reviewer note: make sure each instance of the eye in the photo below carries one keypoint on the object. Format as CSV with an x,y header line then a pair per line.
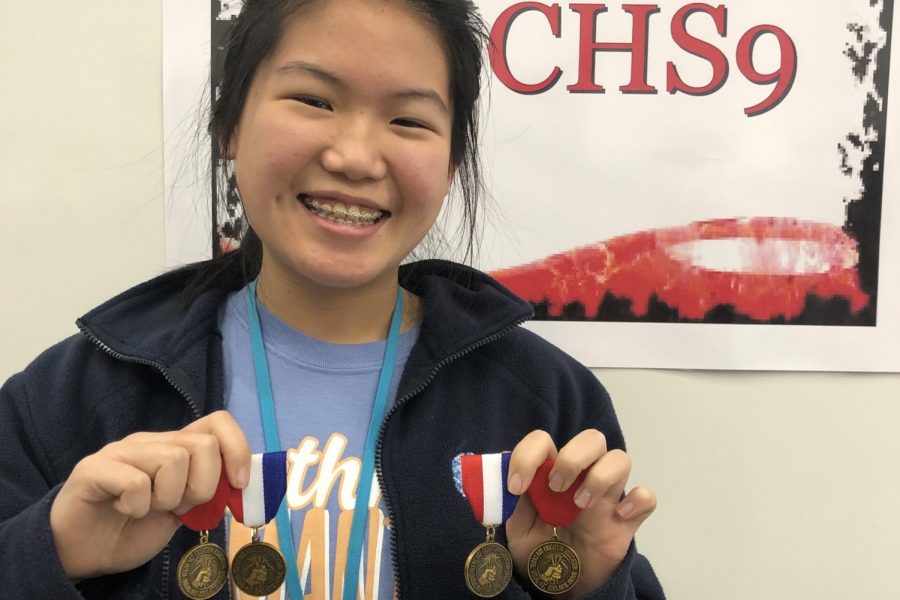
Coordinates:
x,y
313,102
409,123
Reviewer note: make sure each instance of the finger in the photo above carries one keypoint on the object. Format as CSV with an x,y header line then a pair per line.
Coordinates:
x,y
167,465
522,520
205,459
232,444
170,483
205,467
637,505
605,479
128,486
579,454
529,454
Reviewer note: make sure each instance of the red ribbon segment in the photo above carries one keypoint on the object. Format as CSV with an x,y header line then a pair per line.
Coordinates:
x,y
554,508
204,517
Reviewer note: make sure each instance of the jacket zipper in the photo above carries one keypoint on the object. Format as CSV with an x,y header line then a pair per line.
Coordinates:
x,y
141,361
161,368
378,454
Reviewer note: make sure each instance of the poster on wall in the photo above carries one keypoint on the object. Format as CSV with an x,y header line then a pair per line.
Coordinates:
x,y
673,184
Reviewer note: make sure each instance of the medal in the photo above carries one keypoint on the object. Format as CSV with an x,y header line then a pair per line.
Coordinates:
x,y
481,479
553,567
258,568
203,569
488,568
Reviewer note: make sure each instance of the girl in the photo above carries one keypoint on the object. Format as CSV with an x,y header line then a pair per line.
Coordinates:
x,y
345,121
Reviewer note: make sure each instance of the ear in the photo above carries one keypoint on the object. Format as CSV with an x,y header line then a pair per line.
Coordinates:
x,y
228,149
451,173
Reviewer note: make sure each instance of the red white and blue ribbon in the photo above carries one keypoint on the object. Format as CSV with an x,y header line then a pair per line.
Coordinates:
x,y
481,479
257,504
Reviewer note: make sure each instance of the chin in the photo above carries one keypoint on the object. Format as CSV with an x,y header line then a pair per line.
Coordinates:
x,y
344,278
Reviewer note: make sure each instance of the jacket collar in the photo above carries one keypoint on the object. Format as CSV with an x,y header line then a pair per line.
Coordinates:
x,y
464,308
152,323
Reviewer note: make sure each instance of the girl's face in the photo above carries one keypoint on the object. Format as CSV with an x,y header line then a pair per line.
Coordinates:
x,y
342,153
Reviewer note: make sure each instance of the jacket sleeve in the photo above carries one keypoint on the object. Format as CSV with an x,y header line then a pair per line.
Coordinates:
x,y
634,579
29,564
589,405
578,401
592,407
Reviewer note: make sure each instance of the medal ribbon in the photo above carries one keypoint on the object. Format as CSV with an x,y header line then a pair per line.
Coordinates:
x,y
253,506
554,508
257,504
206,516
481,479
273,444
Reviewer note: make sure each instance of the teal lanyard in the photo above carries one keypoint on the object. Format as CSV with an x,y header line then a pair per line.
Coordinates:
x,y
273,444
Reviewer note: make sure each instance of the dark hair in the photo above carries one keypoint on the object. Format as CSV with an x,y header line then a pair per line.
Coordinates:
x,y
252,38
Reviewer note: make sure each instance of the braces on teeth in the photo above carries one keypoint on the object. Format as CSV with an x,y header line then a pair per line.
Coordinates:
x,y
339,214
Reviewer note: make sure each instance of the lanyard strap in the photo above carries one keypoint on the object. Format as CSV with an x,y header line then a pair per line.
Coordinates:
x,y
273,443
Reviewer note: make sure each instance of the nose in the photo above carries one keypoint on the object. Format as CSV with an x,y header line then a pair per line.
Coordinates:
x,y
355,151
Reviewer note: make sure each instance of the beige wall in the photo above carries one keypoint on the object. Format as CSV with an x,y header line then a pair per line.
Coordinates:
x,y
771,486
80,162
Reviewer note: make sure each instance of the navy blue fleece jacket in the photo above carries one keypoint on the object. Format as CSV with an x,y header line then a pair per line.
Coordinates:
x,y
148,361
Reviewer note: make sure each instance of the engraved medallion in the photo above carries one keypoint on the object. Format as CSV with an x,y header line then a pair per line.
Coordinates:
x,y
488,569
553,567
258,569
202,571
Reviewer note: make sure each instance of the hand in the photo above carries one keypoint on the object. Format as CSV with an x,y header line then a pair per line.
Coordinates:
x,y
117,509
603,531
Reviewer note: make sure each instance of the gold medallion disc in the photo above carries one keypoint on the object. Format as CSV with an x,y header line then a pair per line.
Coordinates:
x,y
258,569
553,567
202,571
488,569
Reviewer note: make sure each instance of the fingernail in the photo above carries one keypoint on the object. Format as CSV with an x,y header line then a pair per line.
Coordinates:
x,y
515,484
556,482
625,509
582,499
243,477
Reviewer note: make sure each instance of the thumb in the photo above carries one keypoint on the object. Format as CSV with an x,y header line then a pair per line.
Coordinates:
x,y
522,519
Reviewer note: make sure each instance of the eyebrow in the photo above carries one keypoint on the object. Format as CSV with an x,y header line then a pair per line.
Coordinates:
x,y
316,71
427,95
327,76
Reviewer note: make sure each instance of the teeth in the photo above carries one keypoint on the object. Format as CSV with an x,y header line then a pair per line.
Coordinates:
x,y
342,213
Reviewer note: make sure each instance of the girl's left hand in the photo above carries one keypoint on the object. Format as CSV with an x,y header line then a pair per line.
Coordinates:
x,y
603,531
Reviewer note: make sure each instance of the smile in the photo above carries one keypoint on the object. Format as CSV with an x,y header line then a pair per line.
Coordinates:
x,y
344,214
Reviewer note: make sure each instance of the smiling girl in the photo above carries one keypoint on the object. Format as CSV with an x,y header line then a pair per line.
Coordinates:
x,y
346,123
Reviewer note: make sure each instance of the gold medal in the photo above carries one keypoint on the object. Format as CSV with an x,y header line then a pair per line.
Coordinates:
x,y
203,570
258,568
554,567
488,568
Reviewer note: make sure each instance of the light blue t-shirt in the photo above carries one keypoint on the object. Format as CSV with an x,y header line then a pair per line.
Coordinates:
x,y
323,401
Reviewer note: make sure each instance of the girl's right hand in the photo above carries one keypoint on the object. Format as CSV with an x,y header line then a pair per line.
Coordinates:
x,y
117,509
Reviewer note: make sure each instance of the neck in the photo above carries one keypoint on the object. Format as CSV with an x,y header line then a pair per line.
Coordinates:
x,y
336,315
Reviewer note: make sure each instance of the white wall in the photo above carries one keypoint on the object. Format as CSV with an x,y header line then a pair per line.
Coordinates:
x,y
771,486
80,162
